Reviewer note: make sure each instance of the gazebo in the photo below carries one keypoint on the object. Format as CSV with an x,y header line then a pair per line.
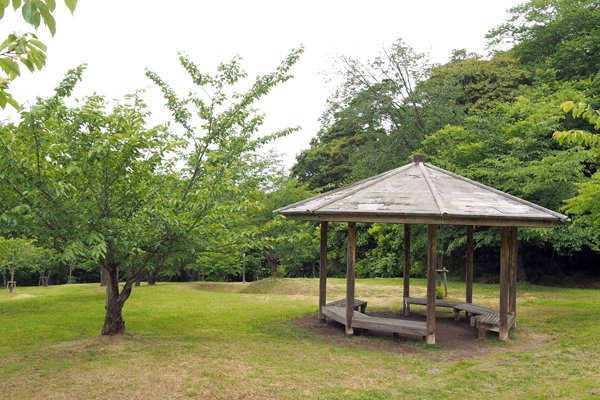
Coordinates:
x,y
421,193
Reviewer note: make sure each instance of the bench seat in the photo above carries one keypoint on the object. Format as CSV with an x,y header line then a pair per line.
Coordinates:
x,y
362,304
391,325
491,322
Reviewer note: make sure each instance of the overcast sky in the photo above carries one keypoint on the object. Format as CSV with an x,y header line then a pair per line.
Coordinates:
x,y
118,39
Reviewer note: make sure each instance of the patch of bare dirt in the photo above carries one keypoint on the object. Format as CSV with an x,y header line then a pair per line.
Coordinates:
x,y
455,340
19,296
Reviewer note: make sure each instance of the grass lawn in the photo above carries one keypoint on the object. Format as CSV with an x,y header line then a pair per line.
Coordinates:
x,y
242,341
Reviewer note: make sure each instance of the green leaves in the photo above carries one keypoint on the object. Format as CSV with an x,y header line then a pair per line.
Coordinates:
x,y
35,11
221,191
71,5
578,136
25,49
560,36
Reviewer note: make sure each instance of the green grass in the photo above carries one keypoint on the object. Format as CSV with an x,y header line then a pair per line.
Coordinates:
x,y
228,341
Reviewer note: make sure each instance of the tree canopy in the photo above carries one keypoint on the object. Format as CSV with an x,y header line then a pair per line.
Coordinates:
x,y
95,182
522,120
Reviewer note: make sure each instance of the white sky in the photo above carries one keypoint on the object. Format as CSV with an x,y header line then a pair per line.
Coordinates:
x,y
118,39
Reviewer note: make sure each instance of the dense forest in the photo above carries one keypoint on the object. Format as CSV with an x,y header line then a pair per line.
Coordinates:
x,y
522,120
89,187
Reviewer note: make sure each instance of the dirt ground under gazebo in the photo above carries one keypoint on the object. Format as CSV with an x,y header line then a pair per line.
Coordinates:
x,y
455,340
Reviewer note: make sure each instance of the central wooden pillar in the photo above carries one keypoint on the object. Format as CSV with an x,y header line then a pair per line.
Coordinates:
x,y
350,275
431,262
323,270
504,281
469,278
406,271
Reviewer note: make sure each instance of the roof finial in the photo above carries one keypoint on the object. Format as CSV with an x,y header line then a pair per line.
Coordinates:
x,y
419,158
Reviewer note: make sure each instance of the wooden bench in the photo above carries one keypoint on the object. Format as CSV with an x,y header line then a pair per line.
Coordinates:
x,y
363,321
342,303
470,309
423,302
473,311
491,322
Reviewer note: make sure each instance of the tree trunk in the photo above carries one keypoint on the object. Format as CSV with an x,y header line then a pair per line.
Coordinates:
x,y
152,274
138,280
12,285
272,263
113,321
104,279
71,268
244,267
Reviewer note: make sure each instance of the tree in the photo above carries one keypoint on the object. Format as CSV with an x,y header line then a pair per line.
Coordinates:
x,y
559,36
288,247
25,49
19,254
467,85
586,204
105,186
372,123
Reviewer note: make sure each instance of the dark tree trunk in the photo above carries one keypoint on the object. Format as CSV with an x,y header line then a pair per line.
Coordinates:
x,y
244,267
138,280
271,262
192,276
71,268
113,321
152,275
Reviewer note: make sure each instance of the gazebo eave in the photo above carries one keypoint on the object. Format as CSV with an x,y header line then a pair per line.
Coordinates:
x,y
396,218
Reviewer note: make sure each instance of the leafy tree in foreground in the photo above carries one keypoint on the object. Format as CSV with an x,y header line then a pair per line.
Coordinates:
x,y
25,48
106,187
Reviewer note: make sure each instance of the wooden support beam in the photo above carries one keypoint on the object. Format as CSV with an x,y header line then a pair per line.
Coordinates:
x,y
469,279
504,281
406,272
350,274
431,261
323,270
512,268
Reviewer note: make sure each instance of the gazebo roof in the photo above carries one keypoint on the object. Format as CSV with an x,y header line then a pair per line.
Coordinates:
x,y
422,193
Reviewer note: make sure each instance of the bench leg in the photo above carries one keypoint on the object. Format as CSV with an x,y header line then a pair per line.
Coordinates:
x,y
472,320
456,314
363,308
482,332
406,310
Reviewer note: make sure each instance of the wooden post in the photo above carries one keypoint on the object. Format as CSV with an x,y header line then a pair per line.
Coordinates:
x,y
323,270
406,272
350,276
512,268
504,281
431,261
469,294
